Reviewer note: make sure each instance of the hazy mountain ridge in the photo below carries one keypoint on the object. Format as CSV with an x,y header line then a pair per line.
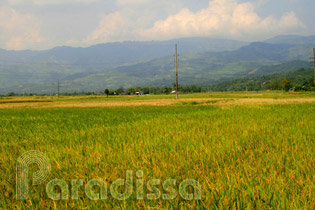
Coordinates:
x,y
62,63
289,39
196,66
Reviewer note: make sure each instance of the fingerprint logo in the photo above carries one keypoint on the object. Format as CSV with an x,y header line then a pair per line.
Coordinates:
x,y
22,172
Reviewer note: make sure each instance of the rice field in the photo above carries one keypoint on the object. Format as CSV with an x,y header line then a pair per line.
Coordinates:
x,y
255,155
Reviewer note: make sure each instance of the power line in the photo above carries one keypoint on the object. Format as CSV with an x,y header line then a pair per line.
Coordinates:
x,y
3,62
167,43
58,87
49,63
314,65
116,44
176,70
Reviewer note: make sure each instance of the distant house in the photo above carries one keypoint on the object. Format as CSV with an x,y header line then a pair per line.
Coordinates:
x,y
139,93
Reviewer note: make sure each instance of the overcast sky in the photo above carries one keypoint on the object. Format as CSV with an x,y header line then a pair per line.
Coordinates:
x,y
42,24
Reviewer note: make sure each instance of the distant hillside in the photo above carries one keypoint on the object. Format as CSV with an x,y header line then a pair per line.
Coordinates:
x,y
202,68
302,78
289,39
266,52
281,68
145,73
67,63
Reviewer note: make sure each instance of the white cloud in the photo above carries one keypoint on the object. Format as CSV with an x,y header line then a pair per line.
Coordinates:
x,y
80,24
48,2
19,31
131,17
110,28
225,18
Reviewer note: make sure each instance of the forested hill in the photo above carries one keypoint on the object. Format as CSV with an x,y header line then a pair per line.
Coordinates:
x,y
301,79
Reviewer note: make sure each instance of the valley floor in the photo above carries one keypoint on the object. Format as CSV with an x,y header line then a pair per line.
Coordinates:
x,y
247,150
217,99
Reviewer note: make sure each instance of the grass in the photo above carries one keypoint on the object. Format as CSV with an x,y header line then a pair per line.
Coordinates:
x,y
23,101
245,157
219,99
227,95
207,102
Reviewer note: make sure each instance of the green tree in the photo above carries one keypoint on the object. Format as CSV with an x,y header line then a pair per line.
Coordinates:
x,y
166,90
131,91
120,91
106,92
274,84
285,84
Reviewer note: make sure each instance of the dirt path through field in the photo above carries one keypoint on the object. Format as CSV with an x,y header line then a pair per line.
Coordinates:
x,y
263,101
161,102
155,102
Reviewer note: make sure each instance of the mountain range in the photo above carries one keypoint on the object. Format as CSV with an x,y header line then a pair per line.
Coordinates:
x,y
202,61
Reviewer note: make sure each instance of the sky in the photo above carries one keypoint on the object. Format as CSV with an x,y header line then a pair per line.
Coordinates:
x,y
43,24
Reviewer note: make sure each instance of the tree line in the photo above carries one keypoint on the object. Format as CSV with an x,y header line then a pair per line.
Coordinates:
x,y
156,90
299,80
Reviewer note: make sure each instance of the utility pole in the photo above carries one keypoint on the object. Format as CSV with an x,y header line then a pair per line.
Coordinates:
x,y
176,61
58,87
314,66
